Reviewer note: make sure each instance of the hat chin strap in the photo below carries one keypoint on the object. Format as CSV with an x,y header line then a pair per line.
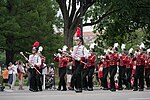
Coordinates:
x,y
80,43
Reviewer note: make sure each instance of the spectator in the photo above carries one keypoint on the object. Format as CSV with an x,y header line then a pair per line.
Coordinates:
x,y
14,72
5,76
21,72
10,76
28,70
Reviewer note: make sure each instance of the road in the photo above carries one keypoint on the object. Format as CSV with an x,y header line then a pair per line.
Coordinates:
x,y
97,94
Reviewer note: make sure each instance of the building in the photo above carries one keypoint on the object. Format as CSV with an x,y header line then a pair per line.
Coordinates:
x,y
89,37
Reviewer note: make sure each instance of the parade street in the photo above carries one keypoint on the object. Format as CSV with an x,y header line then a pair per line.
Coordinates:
x,y
71,95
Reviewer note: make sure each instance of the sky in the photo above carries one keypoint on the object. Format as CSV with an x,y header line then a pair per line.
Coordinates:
x,y
85,29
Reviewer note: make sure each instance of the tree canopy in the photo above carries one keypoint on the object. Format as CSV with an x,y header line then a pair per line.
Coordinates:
x,y
118,18
121,21
25,21
22,22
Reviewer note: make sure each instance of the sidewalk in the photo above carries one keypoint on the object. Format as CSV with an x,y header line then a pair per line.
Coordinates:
x,y
7,89
26,89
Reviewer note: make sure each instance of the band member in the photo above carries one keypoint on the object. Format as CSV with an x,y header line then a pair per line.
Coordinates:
x,y
72,85
113,58
84,78
63,60
40,69
69,71
147,70
79,54
34,62
129,66
122,67
40,76
91,66
139,74
100,73
88,72
105,71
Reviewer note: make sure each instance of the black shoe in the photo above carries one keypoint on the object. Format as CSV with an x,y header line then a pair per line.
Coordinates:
x,y
70,88
35,91
2,88
78,91
58,89
64,90
90,89
135,89
127,88
105,89
40,90
30,89
112,90
141,89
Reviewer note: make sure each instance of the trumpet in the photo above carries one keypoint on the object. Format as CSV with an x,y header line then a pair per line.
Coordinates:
x,y
64,52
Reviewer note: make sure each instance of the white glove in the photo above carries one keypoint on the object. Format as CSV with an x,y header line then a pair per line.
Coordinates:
x,y
59,55
59,50
70,67
78,58
134,67
101,69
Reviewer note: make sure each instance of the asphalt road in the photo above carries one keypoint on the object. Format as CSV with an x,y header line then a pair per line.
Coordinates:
x,y
97,94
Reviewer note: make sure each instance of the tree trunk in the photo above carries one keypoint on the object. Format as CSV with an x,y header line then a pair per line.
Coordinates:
x,y
9,50
69,31
68,38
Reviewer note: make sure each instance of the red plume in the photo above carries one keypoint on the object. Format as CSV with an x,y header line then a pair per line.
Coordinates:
x,y
36,44
78,32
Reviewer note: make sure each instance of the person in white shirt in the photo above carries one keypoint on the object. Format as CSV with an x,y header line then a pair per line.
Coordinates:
x,y
79,54
34,62
14,72
10,76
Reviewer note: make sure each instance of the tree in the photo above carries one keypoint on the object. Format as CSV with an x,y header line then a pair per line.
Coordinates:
x,y
25,21
71,13
118,19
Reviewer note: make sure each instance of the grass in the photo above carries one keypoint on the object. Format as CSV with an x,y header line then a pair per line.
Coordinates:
x,y
25,81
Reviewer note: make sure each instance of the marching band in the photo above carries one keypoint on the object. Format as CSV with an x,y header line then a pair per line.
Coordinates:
x,y
125,70
133,69
116,71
